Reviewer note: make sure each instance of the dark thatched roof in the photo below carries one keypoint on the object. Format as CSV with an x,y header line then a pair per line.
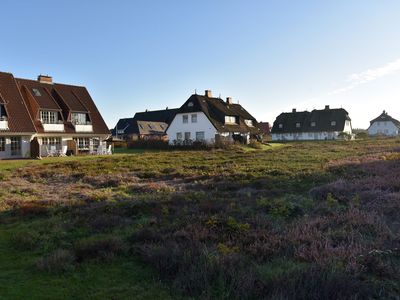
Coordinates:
x,y
158,118
384,117
314,121
216,109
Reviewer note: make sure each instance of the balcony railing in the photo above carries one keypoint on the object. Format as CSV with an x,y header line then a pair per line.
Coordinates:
x,y
4,123
83,127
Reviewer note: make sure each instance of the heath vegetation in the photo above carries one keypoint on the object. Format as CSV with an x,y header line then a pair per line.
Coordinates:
x,y
317,220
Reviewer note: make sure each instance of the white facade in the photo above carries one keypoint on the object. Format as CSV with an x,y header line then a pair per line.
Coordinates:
x,y
313,136
192,125
387,128
15,146
306,136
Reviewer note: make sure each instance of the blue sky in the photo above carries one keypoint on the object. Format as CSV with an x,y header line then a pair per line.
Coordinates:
x,y
271,56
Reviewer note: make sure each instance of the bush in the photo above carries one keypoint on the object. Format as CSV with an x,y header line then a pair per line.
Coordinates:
x,y
59,261
148,144
26,239
255,145
103,248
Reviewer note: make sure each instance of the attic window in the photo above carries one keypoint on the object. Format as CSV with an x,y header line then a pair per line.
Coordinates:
x,y
333,123
230,120
249,122
190,104
313,124
280,126
298,125
36,92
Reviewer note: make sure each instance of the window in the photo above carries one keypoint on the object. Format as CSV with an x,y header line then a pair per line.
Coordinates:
x,y
49,117
200,136
82,143
248,122
179,136
194,118
187,136
313,124
95,143
185,119
298,125
190,104
79,118
2,144
333,123
36,92
379,123
15,146
52,141
280,126
3,115
230,119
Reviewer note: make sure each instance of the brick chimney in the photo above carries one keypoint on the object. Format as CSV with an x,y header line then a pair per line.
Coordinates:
x,y
229,100
208,94
326,107
294,110
45,79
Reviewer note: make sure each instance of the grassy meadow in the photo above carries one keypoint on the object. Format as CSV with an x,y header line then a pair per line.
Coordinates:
x,y
307,220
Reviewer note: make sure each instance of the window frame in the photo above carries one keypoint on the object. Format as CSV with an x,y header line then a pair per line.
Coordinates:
x,y
3,142
203,136
187,136
185,119
193,118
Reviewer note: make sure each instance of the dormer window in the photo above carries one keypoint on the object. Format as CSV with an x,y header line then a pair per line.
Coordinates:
x,y
230,120
49,117
3,115
36,92
79,118
313,124
280,126
298,125
249,123
333,123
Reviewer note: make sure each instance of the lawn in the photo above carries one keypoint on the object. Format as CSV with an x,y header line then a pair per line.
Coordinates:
x,y
308,220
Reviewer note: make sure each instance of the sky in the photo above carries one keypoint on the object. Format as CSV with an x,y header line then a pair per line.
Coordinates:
x,y
270,55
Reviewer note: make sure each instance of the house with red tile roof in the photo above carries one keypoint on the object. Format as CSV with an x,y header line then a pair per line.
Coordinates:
x,y
40,118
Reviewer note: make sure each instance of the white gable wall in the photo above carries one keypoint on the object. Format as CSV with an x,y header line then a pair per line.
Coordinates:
x,y
383,128
203,124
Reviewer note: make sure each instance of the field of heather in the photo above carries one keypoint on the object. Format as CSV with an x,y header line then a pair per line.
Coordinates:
x,y
316,220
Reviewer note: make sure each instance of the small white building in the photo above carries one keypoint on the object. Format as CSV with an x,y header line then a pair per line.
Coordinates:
x,y
384,125
324,124
205,119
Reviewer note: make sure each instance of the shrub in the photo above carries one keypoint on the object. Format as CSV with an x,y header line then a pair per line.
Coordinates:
x,y
255,144
26,239
59,261
103,248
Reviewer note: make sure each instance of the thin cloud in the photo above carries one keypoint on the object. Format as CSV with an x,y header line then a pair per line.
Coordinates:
x,y
357,79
